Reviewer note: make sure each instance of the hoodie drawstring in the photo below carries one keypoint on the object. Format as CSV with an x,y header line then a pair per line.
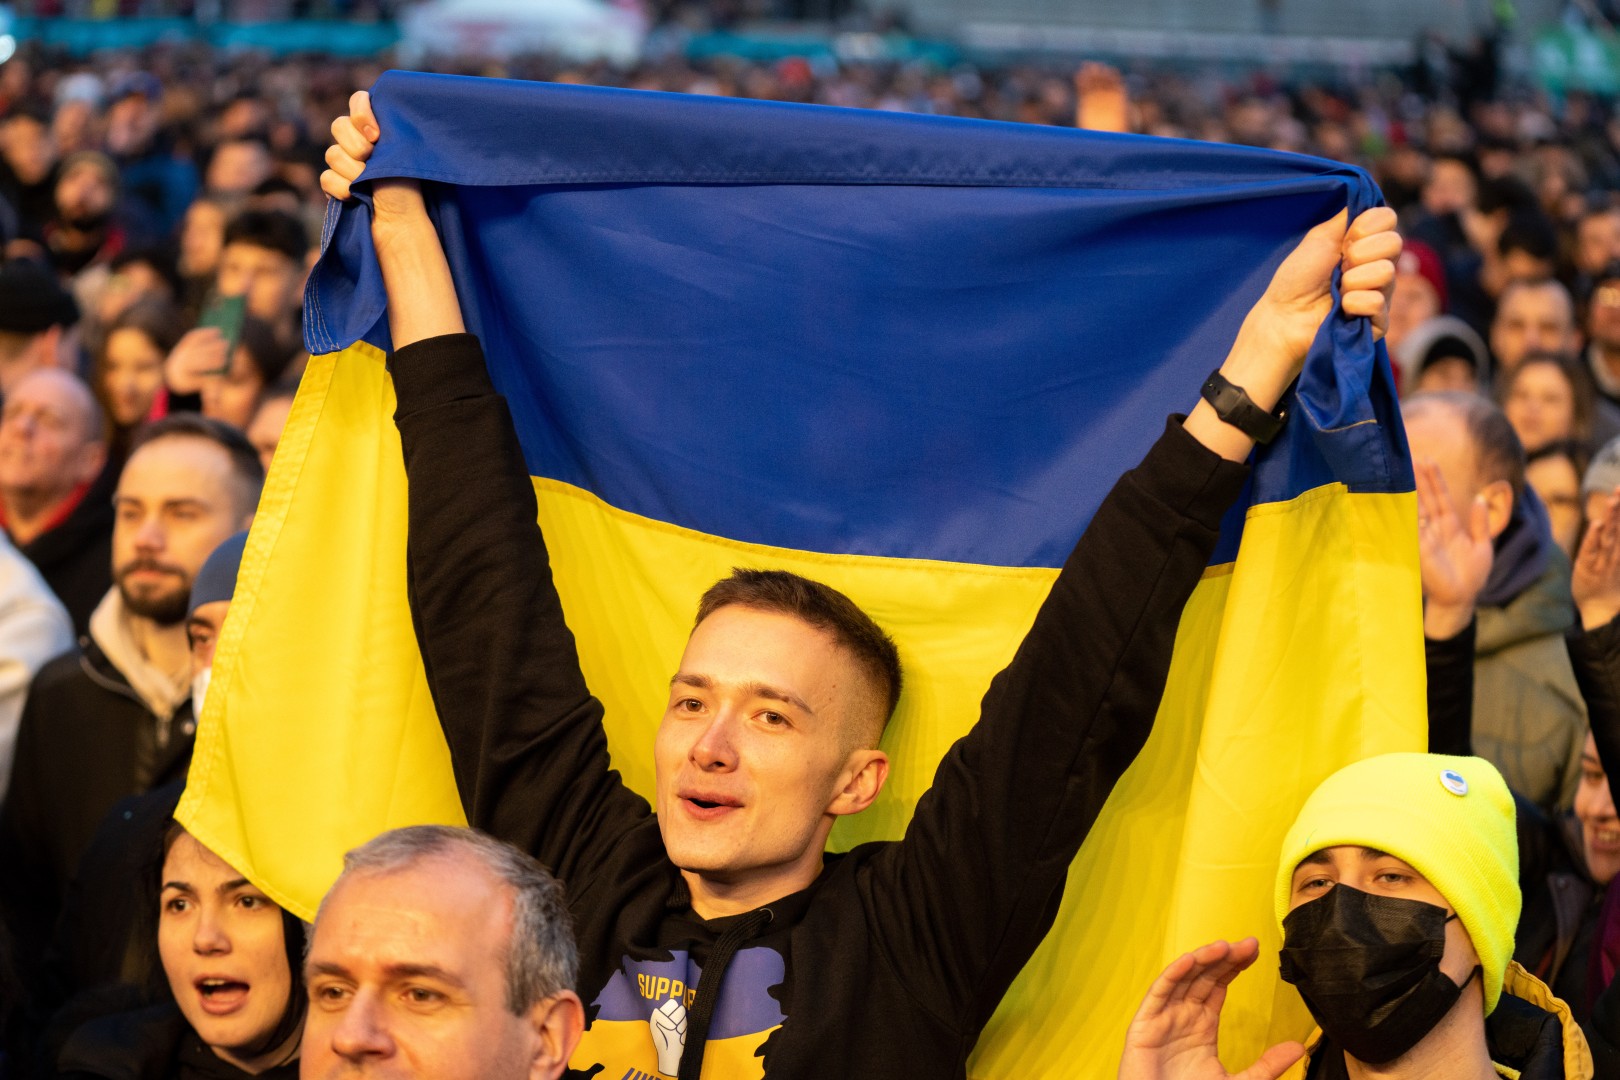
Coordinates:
x,y
708,988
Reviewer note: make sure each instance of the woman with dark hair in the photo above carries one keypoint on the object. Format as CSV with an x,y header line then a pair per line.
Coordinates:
x,y
228,1002
1548,399
127,375
260,360
1554,472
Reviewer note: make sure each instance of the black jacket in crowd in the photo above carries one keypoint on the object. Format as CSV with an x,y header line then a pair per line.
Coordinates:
x,y
154,1043
1558,922
85,741
893,959
75,558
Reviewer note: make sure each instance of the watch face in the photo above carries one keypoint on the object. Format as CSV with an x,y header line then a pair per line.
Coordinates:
x,y
1234,407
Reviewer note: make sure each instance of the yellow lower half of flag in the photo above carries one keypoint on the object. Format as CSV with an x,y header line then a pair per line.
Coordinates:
x,y
1302,656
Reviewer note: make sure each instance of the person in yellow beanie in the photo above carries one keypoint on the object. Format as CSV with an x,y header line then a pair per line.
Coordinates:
x,y
1397,892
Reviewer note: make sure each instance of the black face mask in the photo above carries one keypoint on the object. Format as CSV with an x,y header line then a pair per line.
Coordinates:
x,y
1368,968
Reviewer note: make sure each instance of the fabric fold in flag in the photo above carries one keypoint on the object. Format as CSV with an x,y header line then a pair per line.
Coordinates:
x,y
903,355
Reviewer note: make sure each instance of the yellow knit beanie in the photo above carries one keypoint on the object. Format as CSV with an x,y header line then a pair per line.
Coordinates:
x,y
1450,818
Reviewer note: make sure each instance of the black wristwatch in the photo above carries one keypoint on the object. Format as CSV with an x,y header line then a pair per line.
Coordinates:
x,y
1234,406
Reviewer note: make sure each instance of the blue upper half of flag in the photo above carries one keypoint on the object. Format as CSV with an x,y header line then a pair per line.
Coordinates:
x,y
854,332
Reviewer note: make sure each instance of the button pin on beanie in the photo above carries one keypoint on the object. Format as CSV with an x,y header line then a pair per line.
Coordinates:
x,y
1453,782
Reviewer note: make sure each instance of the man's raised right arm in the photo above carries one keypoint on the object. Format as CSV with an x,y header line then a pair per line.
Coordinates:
x,y
525,734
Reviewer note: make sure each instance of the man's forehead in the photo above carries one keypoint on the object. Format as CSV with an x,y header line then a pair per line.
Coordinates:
x,y
433,913
158,463
47,388
1434,429
736,632
738,646
1545,302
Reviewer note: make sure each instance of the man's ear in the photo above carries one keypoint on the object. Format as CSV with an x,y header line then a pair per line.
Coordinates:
x,y
1498,496
92,459
558,1021
865,773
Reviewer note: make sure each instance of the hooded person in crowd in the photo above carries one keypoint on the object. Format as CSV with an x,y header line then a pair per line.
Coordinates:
x,y
1529,719
1397,893
1442,353
226,1001
210,602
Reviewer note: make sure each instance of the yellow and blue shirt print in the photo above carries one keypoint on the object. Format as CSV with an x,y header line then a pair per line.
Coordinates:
x,y
903,355
639,1029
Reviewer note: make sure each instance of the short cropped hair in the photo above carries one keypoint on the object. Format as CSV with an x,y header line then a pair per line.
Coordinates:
x,y
1530,231
246,467
1527,284
270,353
822,607
272,229
541,957
1498,454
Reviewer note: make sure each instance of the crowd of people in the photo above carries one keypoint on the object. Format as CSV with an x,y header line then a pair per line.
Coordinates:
x,y
159,214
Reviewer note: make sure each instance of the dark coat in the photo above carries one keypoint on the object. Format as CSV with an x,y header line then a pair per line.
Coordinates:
x,y
154,1043
75,558
86,740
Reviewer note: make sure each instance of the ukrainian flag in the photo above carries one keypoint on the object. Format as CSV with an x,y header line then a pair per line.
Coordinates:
x,y
903,355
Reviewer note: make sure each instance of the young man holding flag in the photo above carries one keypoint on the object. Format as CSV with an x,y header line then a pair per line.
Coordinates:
x,y
716,929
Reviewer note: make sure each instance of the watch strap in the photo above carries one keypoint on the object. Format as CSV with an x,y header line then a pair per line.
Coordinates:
x,y
1234,406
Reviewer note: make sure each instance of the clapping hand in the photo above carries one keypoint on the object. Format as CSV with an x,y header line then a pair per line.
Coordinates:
x,y
1454,559
1173,1036
1596,581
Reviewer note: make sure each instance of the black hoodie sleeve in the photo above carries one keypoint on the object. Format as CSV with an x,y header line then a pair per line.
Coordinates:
x,y
525,734
1595,656
1602,1032
970,892
1450,664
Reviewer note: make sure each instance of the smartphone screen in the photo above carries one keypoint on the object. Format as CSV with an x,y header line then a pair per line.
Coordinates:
x,y
225,314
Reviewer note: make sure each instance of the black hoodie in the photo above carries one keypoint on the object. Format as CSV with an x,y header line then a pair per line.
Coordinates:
x,y
154,1043
892,960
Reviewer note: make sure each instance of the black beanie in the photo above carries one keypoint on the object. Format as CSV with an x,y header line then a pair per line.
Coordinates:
x,y
32,300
